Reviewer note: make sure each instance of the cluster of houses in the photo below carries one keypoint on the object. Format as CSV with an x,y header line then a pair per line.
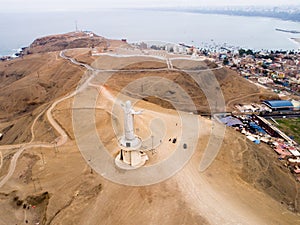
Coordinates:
x,y
271,106
258,129
180,48
279,70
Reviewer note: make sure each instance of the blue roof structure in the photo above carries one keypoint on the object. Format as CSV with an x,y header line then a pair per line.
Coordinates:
x,y
277,104
256,127
231,121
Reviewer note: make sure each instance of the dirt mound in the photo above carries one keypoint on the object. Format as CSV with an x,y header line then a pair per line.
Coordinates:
x,y
67,41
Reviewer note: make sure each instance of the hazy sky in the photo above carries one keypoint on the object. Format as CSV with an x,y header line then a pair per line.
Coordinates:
x,y
49,5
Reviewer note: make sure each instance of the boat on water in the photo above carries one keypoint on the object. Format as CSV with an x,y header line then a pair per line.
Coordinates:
x,y
288,31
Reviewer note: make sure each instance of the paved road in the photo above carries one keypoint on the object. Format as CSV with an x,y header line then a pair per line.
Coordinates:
x,y
281,115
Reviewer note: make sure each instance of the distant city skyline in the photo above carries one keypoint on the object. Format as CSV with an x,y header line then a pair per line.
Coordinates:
x,y
58,5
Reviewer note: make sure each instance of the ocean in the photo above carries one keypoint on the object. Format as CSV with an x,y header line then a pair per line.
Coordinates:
x,y
201,30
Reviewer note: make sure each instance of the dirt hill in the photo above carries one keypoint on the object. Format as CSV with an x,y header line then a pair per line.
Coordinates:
x,y
67,41
29,85
230,191
245,184
232,87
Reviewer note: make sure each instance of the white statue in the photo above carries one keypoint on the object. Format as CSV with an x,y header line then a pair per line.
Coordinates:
x,y
129,139
130,156
128,120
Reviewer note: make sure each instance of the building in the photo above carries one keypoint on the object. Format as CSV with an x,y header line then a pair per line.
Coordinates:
x,y
143,45
296,105
278,105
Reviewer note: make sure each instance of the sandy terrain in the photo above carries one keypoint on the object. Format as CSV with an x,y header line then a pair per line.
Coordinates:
x,y
217,196
62,185
115,62
29,86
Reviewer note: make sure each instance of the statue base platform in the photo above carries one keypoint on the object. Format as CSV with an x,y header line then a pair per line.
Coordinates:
x,y
130,160
130,145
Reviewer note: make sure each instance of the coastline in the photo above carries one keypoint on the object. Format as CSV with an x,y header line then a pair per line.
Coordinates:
x,y
14,53
217,29
296,40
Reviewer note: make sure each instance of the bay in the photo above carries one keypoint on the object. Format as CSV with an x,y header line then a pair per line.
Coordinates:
x,y
202,30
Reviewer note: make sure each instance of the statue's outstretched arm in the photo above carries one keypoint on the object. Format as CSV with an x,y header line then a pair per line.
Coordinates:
x,y
136,112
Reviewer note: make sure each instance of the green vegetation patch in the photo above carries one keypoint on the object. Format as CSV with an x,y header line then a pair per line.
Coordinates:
x,y
290,126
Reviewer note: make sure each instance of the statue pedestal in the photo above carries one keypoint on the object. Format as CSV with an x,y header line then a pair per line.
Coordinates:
x,y
130,156
130,145
130,160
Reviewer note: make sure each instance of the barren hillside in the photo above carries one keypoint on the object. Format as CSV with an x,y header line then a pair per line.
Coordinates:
x,y
64,189
67,41
29,85
245,184
166,87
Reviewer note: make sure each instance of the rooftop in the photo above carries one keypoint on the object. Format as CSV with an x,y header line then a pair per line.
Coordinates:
x,y
278,104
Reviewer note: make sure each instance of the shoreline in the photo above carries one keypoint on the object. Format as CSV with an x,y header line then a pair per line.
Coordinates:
x,y
13,54
296,40
16,52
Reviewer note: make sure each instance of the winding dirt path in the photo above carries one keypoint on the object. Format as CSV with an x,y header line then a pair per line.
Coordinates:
x,y
62,139
242,97
22,147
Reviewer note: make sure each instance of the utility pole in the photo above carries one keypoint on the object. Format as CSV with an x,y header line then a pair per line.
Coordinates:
x,y
152,145
55,147
33,184
152,141
153,151
39,182
43,158
90,165
76,27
